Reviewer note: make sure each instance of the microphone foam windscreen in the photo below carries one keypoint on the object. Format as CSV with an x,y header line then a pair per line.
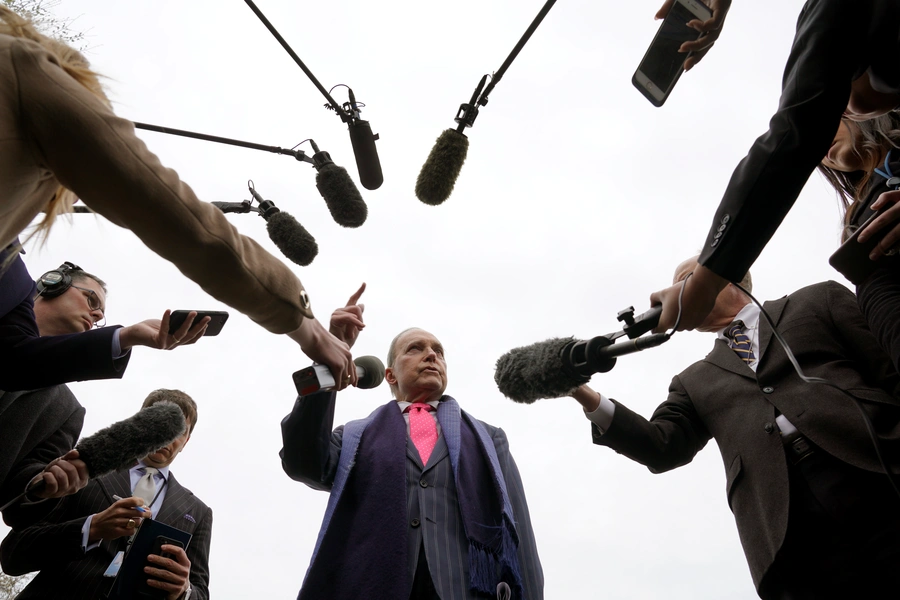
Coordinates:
x,y
121,444
534,372
441,169
346,205
292,239
373,372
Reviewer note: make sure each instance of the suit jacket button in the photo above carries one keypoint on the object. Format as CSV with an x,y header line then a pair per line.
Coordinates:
x,y
769,427
768,389
726,218
414,522
423,483
714,243
721,227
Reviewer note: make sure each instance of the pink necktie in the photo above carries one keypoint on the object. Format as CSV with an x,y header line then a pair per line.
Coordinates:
x,y
422,429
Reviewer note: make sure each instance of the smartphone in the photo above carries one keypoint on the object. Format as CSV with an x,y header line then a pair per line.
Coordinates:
x,y
144,591
852,258
662,65
218,318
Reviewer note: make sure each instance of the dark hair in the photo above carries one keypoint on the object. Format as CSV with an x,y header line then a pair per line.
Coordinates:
x,y
177,397
80,275
872,140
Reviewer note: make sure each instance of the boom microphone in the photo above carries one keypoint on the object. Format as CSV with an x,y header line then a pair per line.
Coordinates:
x,y
343,199
441,169
556,367
363,141
318,378
121,444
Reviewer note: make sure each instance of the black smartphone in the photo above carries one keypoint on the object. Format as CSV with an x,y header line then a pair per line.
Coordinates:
x,y
144,591
662,65
218,318
852,259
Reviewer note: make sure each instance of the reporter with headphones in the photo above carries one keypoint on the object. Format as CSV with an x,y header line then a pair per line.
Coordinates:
x,y
67,300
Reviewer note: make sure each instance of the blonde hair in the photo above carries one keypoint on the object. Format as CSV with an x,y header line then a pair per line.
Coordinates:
x,y
78,68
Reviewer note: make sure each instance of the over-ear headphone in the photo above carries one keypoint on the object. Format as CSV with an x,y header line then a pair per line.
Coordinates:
x,y
55,283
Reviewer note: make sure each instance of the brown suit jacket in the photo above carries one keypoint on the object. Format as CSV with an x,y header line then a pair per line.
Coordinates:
x,y
53,131
721,397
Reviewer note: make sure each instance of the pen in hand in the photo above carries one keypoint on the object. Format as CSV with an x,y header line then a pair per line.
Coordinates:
x,y
142,509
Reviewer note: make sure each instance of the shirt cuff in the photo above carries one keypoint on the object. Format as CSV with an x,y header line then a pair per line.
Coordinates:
x,y
85,532
117,346
602,417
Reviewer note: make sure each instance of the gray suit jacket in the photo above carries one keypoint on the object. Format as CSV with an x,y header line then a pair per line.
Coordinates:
x,y
721,397
311,453
53,546
35,428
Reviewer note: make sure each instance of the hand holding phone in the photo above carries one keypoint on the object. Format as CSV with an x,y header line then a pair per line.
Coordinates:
x,y
217,320
663,64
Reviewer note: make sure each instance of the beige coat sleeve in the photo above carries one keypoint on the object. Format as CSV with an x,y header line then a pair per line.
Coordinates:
x,y
97,155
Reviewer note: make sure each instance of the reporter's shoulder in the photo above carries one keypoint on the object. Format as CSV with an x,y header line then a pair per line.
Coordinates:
x,y
822,292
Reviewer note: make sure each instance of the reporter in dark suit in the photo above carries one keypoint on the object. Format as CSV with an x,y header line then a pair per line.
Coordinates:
x,y
76,543
67,346
816,514
844,60
400,524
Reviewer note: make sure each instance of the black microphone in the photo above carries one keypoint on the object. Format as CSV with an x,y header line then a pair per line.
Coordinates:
x,y
557,367
441,169
341,196
363,141
318,378
121,444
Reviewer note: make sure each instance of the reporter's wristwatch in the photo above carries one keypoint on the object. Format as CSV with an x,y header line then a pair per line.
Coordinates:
x,y
187,593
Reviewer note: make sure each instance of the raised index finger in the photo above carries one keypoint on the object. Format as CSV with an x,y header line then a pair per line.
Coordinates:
x,y
355,297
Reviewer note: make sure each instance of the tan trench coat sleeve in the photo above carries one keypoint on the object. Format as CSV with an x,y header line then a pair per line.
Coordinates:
x,y
73,136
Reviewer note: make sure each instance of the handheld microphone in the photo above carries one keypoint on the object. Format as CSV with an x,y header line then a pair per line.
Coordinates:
x,y
318,378
556,367
363,141
121,444
346,205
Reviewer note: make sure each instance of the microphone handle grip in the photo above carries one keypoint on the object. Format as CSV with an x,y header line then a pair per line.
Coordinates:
x,y
317,378
367,163
632,346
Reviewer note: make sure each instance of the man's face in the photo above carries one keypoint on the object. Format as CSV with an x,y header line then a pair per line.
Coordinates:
x,y
419,371
164,456
70,312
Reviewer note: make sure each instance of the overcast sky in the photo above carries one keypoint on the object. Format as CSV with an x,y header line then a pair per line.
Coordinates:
x,y
578,199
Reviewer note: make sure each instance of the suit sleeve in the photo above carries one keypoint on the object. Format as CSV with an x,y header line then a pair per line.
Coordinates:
x,y
198,554
43,545
825,58
58,443
670,439
97,155
311,449
873,362
529,561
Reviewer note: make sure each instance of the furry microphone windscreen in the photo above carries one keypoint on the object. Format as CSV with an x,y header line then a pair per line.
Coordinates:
x,y
537,371
373,372
441,169
121,444
343,199
292,239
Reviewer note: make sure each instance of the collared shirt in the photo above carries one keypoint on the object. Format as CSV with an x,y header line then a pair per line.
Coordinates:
x,y
602,417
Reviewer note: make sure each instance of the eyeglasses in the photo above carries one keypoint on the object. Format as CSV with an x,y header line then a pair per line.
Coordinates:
x,y
94,304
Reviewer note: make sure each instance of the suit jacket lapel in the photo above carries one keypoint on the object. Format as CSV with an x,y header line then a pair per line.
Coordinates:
x,y
775,309
172,503
116,484
439,453
724,357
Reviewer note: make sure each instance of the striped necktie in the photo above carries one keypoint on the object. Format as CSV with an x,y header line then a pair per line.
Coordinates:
x,y
740,342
